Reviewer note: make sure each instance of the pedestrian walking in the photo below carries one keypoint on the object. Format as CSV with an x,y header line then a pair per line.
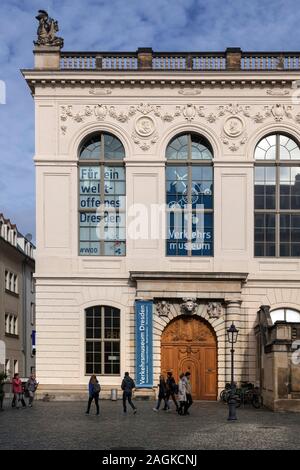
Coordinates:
x,y
17,389
162,393
3,378
128,386
172,390
31,387
189,400
94,391
181,393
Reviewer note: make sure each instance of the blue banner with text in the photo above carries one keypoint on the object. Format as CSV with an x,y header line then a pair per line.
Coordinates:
x,y
143,343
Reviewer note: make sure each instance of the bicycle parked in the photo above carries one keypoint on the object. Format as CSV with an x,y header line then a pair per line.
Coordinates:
x,y
226,393
246,394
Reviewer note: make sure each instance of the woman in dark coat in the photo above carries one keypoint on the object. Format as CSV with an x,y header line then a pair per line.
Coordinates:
x,y
162,392
94,390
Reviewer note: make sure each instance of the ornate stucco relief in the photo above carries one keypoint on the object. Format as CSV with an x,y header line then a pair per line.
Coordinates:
x,y
144,144
230,119
214,309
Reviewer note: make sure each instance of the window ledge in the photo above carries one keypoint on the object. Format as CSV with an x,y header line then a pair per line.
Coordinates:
x,y
14,294
10,335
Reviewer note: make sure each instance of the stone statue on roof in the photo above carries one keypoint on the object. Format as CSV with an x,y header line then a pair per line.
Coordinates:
x,y
47,29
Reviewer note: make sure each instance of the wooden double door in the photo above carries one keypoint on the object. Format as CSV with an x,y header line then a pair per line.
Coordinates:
x,y
189,344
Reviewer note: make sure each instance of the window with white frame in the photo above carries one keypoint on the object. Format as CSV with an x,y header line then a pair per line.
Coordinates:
x,y
102,340
102,196
11,282
11,324
189,196
277,197
285,314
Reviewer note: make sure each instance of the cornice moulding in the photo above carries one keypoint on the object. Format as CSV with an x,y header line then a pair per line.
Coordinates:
x,y
210,79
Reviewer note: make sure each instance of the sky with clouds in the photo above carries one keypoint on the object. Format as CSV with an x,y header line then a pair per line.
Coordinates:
x,y
164,25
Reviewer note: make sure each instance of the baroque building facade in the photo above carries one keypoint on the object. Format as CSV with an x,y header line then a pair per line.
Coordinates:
x,y
127,280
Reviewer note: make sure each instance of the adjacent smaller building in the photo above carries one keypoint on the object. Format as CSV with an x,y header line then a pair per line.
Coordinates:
x,y
17,301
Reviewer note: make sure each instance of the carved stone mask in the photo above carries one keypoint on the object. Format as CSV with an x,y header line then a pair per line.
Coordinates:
x,y
189,305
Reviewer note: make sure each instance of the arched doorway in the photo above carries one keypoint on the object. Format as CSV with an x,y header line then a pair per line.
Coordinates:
x,y
189,343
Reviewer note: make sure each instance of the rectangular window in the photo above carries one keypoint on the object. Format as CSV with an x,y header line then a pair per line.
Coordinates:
x,y
11,324
277,211
102,225
16,366
11,282
190,210
102,340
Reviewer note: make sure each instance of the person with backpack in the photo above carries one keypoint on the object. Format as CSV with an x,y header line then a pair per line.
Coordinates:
x,y
172,391
162,393
181,393
94,391
128,386
17,389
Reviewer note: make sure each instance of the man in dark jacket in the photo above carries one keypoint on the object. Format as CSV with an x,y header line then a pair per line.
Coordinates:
x,y
171,390
127,386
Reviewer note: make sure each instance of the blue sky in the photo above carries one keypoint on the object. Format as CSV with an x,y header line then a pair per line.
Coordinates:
x,y
117,25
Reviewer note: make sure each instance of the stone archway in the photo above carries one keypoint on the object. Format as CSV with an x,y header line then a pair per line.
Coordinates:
x,y
188,343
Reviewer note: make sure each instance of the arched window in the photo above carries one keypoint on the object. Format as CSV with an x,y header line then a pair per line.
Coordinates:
x,y
285,314
102,340
189,194
277,197
102,196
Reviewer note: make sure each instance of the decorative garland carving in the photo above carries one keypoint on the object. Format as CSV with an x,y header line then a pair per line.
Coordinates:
x,y
234,109
144,134
233,146
144,144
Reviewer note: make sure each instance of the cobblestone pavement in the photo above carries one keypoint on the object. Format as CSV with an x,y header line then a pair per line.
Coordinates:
x,y
58,425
